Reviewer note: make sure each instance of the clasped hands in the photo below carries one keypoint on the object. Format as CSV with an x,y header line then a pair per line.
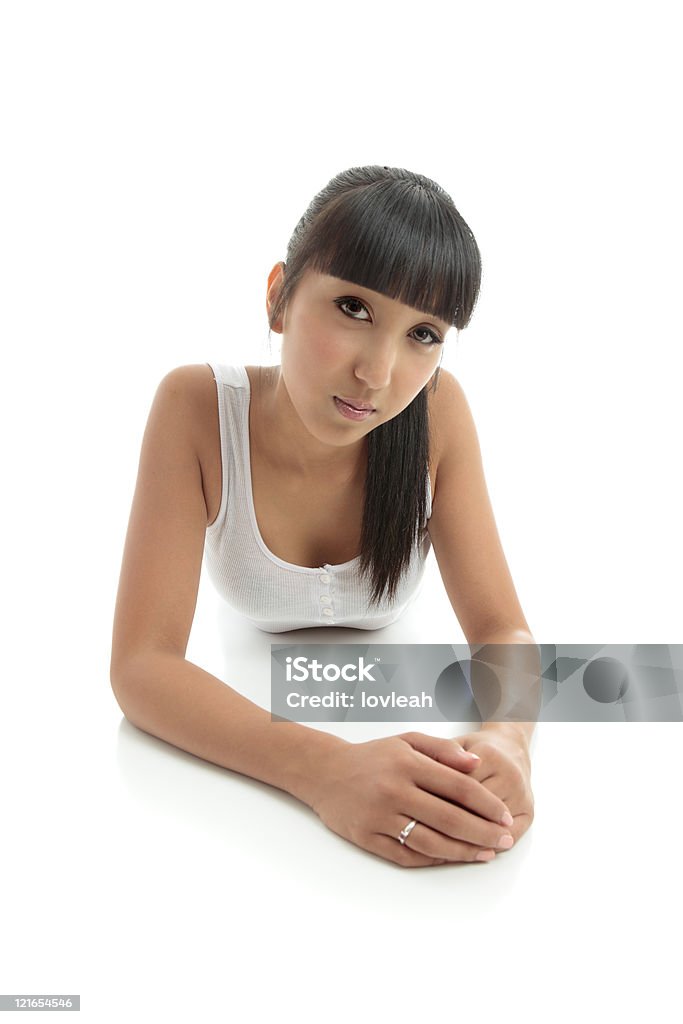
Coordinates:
x,y
369,792
502,766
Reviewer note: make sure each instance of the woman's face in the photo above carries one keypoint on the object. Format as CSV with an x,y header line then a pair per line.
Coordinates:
x,y
343,341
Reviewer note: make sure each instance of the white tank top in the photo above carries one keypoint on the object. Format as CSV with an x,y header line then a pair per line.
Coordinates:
x,y
273,594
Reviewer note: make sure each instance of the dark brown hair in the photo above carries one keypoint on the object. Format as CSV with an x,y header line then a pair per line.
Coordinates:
x,y
395,232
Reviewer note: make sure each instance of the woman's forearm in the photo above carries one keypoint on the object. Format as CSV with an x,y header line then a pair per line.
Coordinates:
x,y
177,701
513,705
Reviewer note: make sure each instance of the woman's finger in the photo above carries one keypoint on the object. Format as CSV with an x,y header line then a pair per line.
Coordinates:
x,y
391,849
447,752
430,843
455,821
458,788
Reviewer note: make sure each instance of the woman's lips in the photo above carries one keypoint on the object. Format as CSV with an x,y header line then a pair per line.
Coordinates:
x,y
349,412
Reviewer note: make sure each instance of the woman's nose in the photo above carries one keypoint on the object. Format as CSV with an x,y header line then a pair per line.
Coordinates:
x,y
375,362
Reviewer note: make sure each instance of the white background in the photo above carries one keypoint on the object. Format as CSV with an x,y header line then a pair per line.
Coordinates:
x,y
155,160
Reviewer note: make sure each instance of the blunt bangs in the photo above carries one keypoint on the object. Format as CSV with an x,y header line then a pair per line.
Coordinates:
x,y
398,238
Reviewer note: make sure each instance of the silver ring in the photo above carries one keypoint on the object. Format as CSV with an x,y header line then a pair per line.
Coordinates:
x,y
403,835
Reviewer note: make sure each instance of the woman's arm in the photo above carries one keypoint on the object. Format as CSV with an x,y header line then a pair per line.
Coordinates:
x,y
475,572
157,689
172,698
483,596
365,792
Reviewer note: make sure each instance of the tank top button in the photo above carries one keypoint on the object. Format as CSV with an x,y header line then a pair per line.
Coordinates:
x,y
327,611
325,599
324,577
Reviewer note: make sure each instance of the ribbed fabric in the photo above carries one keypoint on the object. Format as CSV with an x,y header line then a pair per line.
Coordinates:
x,y
273,594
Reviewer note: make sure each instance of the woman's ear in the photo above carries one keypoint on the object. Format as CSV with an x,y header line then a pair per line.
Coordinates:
x,y
275,283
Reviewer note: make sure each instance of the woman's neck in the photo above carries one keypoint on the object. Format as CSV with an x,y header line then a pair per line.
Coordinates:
x,y
286,444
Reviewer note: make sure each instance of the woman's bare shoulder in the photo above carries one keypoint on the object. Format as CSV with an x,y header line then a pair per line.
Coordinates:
x,y
193,377
195,388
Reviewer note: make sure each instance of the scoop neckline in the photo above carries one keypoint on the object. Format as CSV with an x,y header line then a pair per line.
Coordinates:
x,y
246,450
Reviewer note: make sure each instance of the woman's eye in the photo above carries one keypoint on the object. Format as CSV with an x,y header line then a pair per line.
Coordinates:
x,y
431,339
349,302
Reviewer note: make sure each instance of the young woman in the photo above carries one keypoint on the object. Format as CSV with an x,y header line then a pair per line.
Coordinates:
x,y
316,489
